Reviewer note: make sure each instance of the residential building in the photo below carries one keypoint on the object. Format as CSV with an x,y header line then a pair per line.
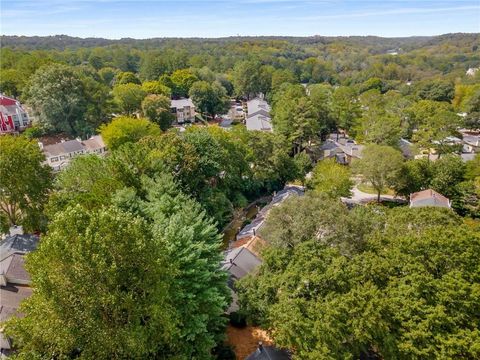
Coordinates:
x,y
183,109
258,115
343,150
429,197
269,353
251,230
471,143
13,116
58,155
238,262
14,279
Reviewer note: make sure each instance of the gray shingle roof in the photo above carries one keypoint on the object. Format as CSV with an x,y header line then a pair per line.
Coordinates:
x,y
269,353
239,262
18,243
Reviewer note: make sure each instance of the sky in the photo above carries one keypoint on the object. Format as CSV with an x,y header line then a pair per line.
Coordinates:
x,y
115,19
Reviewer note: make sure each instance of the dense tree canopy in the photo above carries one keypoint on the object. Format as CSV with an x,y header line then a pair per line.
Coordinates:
x,y
126,129
25,183
328,304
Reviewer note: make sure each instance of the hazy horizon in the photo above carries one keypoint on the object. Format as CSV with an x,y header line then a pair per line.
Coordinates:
x,y
116,19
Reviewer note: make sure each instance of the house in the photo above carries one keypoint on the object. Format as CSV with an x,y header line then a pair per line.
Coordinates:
x,y
471,143
13,116
238,262
429,197
58,155
269,353
14,279
259,121
183,109
251,230
407,148
343,150
258,115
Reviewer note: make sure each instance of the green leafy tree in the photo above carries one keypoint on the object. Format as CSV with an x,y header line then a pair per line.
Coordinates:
x,y
182,82
345,107
125,129
280,77
210,99
434,121
295,118
331,179
25,184
248,79
157,88
107,74
303,164
420,263
128,97
472,121
11,82
57,97
126,77
192,245
415,175
80,272
157,109
380,166
436,90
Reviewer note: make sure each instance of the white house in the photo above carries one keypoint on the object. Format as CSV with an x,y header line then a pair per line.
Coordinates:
x,y
183,109
258,115
59,155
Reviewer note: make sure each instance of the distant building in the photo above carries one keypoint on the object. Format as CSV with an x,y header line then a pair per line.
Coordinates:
x,y
13,116
59,155
183,109
258,115
14,279
429,197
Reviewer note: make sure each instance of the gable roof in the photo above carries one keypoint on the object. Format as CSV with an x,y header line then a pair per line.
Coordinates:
x,y
428,197
257,104
63,148
269,353
239,262
12,267
259,122
18,243
181,103
7,101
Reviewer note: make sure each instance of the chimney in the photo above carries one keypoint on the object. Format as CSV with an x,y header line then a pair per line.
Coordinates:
x,y
260,347
253,232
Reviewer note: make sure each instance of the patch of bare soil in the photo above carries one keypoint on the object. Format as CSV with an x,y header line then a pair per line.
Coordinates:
x,y
245,340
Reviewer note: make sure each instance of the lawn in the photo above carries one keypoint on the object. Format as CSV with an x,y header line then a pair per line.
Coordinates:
x,y
367,188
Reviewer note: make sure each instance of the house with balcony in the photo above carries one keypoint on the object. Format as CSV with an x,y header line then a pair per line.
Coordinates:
x,y
13,117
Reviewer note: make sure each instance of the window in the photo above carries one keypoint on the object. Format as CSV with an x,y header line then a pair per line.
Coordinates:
x,y
54,159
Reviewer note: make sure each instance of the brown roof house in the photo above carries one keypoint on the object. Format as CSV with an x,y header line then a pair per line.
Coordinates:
x,y
429,197
14,279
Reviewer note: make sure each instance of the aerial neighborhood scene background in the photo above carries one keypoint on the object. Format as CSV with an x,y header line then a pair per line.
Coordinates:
x,y
251,179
